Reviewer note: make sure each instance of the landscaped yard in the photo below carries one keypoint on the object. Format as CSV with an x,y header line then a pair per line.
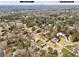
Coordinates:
x,y
68,52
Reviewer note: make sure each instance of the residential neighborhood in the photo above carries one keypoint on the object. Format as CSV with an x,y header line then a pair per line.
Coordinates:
x,y
39,33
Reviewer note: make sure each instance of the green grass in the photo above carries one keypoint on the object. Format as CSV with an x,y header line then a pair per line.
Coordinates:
x,y
50,49
39,42
70,47
67,53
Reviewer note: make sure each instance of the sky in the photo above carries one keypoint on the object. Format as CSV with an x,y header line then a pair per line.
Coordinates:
x,y
37,3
